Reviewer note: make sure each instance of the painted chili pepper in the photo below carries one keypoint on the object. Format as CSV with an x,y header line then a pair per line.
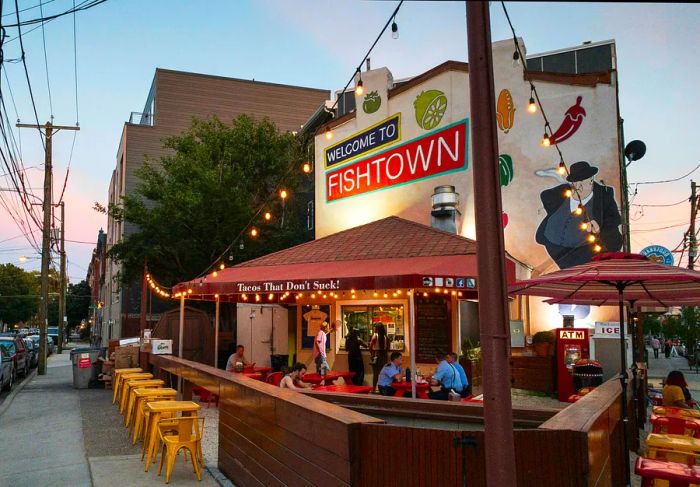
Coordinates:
x,y
572,121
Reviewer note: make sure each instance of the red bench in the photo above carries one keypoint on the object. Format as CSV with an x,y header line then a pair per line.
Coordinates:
x,y
677,474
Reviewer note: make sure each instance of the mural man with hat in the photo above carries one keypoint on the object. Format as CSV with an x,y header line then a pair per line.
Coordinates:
x,y
560,232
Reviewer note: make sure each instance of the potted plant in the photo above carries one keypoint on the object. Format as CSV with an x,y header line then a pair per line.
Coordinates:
x,y
543,343
471,361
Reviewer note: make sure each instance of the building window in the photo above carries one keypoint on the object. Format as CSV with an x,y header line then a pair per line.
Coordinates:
x,y
364,318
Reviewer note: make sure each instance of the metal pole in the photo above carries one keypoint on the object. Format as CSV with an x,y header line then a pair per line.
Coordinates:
x,y
144,299
625,194
623,383
216,334
62,293
493,296
693,251
181,333
412,331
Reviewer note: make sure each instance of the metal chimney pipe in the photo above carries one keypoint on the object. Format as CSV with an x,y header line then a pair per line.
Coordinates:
x,y
445,213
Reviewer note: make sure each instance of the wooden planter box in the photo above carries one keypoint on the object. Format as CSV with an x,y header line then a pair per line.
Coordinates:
x,y
533,373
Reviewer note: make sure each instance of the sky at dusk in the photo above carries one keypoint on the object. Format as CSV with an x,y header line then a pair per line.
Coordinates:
x,y
318,44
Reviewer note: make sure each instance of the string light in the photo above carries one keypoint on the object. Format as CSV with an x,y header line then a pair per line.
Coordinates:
x,y
545,140
222,266
329,134
386,295
584,226
268,216
283,194
306,167
516,58
189,291
359,87
568,193
562,168
216,296
459,294
591,238
532,106
425,295
214,274
394,30
253,232
374,294
579,210
597,248
313,296
244,297
437,289
270,296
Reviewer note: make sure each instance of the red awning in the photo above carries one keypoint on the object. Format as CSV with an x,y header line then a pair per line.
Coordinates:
x,y
388,254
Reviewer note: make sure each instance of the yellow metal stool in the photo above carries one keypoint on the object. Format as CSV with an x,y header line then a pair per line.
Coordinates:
x,y
143,397
678,412
130,384
131,401
121,401
117,373
186,432
674,448
156,411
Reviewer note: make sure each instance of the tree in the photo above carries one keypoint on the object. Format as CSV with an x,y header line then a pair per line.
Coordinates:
x,y
19,291
218,183
77,305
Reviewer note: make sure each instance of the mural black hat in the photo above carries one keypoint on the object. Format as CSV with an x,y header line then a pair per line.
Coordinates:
x,y
581,171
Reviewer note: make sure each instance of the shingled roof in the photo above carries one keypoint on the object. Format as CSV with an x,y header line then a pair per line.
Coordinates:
x,y
389,238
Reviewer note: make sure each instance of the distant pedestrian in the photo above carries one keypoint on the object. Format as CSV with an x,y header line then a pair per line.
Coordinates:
x,y
655,345
667,347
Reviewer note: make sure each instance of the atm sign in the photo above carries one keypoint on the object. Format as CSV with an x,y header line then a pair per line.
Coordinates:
x,y
572,335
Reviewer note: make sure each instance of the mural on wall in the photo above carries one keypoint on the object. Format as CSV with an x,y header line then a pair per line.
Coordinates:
x,y
505,111
573,118
372,102
505,168
560,231
430,107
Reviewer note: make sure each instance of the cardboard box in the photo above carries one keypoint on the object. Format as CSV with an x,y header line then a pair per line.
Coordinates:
x,y
161,347
126,357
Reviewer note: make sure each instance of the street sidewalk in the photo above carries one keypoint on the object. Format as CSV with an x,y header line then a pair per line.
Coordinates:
x,y
660,367
53,434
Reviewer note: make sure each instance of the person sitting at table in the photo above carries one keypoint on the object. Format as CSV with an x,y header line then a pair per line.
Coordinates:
x,y
446,377
675,391
454,360
236,358
294,380
353,342
390,373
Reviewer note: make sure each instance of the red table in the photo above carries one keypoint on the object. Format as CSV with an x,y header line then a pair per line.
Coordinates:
x,y
675,425
258,370
421,389
253,376
345,388
330,377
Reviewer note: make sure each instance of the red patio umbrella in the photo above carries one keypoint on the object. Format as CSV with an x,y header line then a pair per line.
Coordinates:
x,y
619,277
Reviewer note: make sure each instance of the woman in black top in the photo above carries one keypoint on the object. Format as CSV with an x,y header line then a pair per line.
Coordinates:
x,y
379,348
352,345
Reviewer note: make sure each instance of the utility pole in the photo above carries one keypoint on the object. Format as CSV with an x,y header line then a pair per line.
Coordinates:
x,y
49,130
499,445
62,292
693,251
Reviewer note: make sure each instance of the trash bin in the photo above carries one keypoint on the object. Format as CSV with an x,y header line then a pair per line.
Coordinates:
x,y
587,373
278,361
84,371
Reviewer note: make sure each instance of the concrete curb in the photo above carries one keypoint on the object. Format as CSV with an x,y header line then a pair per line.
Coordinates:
x,y
220,478
15,390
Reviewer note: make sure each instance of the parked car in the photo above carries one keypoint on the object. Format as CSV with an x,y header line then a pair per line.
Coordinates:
x,y
7,370
49,344
33,352
18,350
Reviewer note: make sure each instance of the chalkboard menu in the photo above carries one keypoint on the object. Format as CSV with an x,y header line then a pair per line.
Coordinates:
x,y
433,327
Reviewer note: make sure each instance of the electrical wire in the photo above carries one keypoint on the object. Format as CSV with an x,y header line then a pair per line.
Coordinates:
x,y
647,230
46,58
667,180
684,200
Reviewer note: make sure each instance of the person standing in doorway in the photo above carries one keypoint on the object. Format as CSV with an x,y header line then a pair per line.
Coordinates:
x,y
655,345
353,342
379,349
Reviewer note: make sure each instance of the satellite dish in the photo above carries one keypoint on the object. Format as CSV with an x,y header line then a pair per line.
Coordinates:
x,y
635,150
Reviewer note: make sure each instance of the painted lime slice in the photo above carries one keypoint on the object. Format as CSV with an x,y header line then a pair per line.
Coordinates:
x,y
430,107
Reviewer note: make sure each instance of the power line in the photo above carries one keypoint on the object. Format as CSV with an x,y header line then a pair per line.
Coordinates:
x,y
684,200
668,180
29,8
646,230
46,59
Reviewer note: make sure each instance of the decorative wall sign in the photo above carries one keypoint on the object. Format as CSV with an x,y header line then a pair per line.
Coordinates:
x,y
372,102
430,107
573,118
505,168
370,139
505,111
659,254
433,154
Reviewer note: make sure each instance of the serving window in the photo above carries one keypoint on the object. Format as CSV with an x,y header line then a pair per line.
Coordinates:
x,y
365,317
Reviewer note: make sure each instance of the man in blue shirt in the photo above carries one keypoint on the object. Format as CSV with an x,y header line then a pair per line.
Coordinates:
x,y
454,360
446,377
389,374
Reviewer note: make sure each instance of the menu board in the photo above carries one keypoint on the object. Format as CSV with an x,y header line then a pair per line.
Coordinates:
x,y
433,327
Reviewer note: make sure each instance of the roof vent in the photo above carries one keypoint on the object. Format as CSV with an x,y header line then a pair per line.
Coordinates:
x,y
445,215
586,43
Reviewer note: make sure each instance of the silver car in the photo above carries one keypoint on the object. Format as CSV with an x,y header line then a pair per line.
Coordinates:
x,y
7,370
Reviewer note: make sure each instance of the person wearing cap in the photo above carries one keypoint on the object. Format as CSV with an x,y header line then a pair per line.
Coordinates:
x,y
560,232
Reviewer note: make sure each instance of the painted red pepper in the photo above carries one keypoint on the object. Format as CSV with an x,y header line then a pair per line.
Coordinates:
x,y
572,121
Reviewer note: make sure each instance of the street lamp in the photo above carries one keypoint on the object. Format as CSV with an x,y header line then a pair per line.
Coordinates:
x,y
634,151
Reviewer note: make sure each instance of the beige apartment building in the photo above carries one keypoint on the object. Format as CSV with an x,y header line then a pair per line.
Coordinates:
x,y
175,97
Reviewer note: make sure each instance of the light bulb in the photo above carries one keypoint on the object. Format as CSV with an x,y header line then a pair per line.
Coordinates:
x,y
545,140
375,294
216,296
214,274
283,194
189,291
562,168
222,266
359,88
394,30
584,226
532,106
270,296
579,210
329,134
268,215
516,59
591,238
425,295
257,298
306,168
568,193
254,232
597,248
